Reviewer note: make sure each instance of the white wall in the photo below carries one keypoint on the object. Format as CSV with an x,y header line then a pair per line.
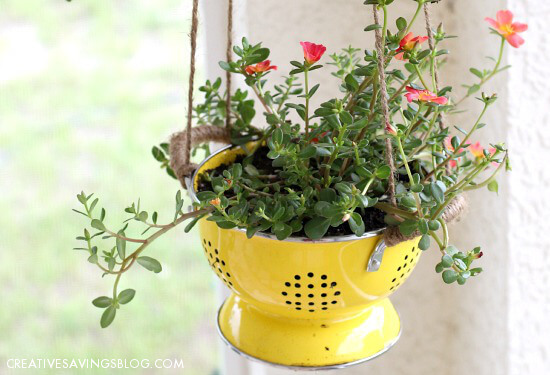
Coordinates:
x,y
497,323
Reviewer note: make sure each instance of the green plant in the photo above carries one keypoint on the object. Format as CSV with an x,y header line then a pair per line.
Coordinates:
x,y
330,166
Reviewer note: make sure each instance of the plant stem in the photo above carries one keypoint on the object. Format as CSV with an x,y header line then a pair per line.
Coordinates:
x,y
306,82
411,182
491,178
492,74
420,76
418,9
458,149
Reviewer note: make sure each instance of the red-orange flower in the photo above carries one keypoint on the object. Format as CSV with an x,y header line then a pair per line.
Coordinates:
x,y
505,26
215,202
312,52
316,139
424,96
408,44
261,67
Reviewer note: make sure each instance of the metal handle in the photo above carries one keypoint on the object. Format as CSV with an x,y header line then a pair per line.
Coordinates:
x,y
375,260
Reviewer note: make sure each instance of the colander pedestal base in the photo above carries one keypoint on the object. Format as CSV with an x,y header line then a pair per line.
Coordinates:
x,y
335,341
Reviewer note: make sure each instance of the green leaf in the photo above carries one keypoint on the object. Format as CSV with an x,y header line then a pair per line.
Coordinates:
x,y
351,83
356,224
434,225
439,268
383,172
126,296
206,196
408,227
374,26
447,261
493,186
158,154
102,302
225,66
98,225
317,227
437,192
93,259
150,264
424,243
476,72
401,23
308,152
121,245
449,276
281,230
108,316
277,136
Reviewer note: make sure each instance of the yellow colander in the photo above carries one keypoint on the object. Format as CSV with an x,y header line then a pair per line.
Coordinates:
x,y
303,303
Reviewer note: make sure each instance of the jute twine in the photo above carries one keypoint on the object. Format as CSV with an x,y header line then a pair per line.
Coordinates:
x,y
180,143
392,235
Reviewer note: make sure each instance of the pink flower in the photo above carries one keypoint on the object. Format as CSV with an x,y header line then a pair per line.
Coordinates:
x,y
424,96
408,44
505,26
312,52
477,150
261,67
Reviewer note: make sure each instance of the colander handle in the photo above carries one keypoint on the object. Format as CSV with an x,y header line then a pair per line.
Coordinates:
x,y
375,260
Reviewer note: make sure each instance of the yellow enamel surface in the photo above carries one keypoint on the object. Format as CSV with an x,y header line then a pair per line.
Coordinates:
x,y
292,300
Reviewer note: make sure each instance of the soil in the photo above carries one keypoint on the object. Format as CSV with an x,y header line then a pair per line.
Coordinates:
x,y
372,217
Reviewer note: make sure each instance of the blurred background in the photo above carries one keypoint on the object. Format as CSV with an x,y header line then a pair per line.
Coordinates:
x,y
88,87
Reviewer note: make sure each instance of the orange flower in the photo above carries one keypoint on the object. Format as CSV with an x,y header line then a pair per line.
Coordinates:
x,y
509,30
408,44
312,52
261,67
215,202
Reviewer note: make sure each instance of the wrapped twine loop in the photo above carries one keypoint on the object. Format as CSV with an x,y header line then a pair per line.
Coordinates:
x,y
455,209
180,143
180,159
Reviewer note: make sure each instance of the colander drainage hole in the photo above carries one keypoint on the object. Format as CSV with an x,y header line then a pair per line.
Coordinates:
x,y
298,295
297,277
310,274
297,285
284,293
310,286
337,293
311,295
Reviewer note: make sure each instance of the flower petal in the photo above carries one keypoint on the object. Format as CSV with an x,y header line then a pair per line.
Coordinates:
x,y
505,17
492,22
519,27
515,40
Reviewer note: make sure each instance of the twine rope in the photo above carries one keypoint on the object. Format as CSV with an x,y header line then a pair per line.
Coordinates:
x,y
194,27
455,209
182,142
228,57
385,106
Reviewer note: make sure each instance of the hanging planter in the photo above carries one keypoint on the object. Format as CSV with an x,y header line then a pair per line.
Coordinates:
x,y
301,302
313,221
